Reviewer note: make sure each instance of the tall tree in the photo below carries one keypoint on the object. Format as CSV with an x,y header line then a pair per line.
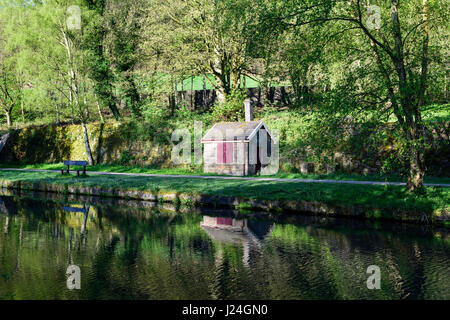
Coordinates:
x,y
394,41
100,68
199,37
59,51
122,47
10,89
9,92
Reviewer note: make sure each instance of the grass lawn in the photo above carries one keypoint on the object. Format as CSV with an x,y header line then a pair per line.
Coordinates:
x,y
436,198
436,112
198,171
432,113
110,168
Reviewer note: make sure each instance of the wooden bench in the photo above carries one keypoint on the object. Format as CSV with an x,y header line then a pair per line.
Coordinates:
x,y
74,209
69,163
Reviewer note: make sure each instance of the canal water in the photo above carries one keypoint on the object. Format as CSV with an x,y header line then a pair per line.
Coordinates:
x,y
144,250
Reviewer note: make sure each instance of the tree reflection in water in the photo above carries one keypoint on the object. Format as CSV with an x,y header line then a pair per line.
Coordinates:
x,y
137,250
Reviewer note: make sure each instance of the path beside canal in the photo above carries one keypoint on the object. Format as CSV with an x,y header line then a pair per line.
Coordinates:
x,y
362,199
382,183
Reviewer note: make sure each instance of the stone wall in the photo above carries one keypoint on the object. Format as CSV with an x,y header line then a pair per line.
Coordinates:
x,y
210,159
362,154
228,169
437,217
110,143
124,143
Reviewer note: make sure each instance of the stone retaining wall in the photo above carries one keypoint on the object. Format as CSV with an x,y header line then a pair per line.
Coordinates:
x,y
275,207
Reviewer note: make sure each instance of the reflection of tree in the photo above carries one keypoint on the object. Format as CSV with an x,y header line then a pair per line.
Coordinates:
x,y
127,261
220,286
132,253
101,282
345,257
85,218
6,226
3,208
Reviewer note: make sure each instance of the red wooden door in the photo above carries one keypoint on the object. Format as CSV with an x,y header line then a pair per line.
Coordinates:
x,y
225,153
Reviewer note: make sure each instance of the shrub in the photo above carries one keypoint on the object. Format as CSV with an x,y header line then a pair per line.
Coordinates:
x,y
126,157
155,113
232,109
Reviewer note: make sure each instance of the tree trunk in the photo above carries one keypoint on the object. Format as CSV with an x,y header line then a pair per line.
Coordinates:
x,y
115,111
416,170
220,86
71,102
57,114
412,125
417,165
23,110
87,145
192,92
172,104
221,97
8,118
21,85
132,96
99,110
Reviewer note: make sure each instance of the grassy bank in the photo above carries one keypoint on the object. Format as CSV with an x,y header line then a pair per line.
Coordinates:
x,y
384,199
197,170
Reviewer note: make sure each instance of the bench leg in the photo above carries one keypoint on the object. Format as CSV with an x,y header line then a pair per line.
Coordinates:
x,y
67,169
84,170
78,173
62,171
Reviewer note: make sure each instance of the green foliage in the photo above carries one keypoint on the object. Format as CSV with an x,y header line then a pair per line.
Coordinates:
x,y
436,113
353,87
304,137
134,57
126,157
155,113
198,171
231,109
198,38
289,168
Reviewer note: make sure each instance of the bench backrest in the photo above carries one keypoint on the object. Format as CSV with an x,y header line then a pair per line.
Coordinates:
x,y
75,163
73,209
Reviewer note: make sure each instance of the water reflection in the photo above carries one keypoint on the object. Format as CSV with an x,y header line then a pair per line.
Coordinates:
x,y
142,250
84,210
227,230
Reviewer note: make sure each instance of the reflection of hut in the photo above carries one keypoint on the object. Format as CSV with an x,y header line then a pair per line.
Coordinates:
x,y
237,232
224,223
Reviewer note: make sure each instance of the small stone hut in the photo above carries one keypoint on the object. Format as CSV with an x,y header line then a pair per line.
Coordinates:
x,y
238,148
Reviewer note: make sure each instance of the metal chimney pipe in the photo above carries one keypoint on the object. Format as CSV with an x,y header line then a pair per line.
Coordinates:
x,y
248,110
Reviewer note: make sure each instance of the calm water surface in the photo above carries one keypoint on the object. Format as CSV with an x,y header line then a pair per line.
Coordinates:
x,y
131,250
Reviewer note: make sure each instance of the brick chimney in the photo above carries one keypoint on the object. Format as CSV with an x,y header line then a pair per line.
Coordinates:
x,y
248,110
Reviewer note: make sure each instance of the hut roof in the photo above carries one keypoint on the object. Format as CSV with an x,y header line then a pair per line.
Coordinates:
x,y
234,131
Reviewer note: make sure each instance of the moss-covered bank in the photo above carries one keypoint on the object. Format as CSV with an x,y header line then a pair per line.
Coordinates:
x,y
115,142
365,151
